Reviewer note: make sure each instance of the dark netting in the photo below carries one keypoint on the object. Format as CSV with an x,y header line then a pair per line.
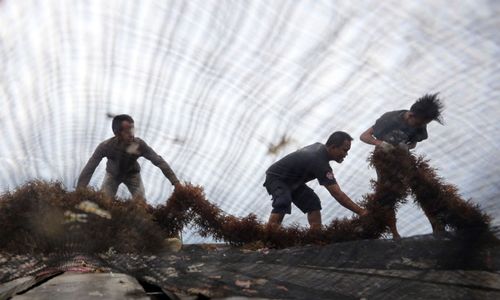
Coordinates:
x,y
222,89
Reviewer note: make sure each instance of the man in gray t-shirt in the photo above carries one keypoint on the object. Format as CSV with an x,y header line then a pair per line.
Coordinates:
x,y
405,128
122,152
394,128
286,180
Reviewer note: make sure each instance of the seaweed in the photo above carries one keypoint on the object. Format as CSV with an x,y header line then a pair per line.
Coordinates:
x,y
43,217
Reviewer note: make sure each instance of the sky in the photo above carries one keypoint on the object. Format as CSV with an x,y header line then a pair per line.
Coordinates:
x,y
213,85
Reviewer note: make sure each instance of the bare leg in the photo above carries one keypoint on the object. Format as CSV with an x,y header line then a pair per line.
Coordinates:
x,y
314,218
275,219
437,227
392,226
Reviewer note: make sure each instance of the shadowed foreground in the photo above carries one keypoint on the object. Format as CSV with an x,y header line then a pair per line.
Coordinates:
x,y
413,268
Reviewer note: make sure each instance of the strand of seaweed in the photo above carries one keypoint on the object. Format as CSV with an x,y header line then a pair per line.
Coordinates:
x,y
34,217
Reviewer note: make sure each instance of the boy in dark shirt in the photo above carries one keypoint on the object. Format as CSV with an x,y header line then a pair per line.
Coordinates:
x,y
286,180
404,129
122,152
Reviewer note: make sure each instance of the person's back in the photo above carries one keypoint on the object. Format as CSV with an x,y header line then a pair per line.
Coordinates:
x,y
301,166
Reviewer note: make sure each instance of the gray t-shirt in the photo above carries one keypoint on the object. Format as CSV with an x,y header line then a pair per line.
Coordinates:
x,y
392,128
302,166
122,160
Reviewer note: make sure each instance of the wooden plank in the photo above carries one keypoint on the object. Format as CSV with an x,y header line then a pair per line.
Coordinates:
x,y
87,286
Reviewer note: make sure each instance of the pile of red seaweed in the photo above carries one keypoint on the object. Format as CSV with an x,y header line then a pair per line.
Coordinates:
x,y
44,217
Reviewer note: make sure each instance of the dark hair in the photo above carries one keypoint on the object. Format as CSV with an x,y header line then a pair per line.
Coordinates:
x,y
117,122
337,138
428,107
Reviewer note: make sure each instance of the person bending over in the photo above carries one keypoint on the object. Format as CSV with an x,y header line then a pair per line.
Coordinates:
x,y
286,180
404,129
122,152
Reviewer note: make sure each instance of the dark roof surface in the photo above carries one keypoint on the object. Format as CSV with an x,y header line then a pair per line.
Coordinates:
x,y
422,267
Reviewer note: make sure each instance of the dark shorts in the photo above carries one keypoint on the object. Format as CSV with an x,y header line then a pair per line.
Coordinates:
x,y
283,196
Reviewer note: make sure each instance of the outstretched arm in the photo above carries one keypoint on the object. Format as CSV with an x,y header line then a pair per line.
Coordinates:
x,y
344,200
89,168
158,161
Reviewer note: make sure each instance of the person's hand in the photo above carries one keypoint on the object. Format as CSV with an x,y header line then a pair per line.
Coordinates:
x,y
385,146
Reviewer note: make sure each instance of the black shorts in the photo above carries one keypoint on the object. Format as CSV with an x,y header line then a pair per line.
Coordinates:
x,y
282,196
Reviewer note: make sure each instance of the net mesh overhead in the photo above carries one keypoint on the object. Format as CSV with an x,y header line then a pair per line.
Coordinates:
x,y
221,89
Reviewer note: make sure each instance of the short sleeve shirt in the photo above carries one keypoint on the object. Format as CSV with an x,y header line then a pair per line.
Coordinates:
x,y
303,165
392,128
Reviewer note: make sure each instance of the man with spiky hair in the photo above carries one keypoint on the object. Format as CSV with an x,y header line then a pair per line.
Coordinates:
x,y
286,180
404,129
122,152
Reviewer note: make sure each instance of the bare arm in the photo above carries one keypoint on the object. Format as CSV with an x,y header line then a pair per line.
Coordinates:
x,y
344,200
368,137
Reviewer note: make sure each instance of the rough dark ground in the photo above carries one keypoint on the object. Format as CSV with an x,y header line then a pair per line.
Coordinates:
x,y
421,267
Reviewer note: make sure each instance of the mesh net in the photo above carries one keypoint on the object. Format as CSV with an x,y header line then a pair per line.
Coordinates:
x,y
221,89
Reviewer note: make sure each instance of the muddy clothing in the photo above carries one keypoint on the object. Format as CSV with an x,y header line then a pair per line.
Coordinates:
x,y
392,128
122,161
286,179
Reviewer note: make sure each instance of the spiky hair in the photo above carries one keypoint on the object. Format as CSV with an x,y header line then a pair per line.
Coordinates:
x,y
428,107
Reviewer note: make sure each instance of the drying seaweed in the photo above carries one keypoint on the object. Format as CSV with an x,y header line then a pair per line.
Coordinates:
x,y
401,173
443,202
43,217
